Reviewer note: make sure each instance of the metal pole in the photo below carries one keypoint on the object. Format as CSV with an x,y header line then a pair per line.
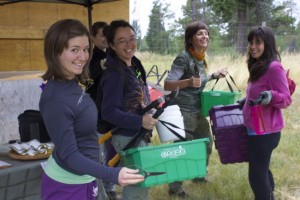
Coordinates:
x,y
90,16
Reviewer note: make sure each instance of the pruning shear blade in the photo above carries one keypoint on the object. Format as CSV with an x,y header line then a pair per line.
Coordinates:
x,y
147,174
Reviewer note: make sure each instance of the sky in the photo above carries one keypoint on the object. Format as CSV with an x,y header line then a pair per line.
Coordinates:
x,y
144,7
143,10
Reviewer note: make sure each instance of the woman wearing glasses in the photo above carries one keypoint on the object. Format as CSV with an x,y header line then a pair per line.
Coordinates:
x,y
125,93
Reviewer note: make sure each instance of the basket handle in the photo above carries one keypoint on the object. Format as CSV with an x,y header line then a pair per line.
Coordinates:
x,y
229,85
233,82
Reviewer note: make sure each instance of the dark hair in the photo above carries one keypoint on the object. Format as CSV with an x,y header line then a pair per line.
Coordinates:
x,y
56,40
110,32
190,31
258,67
96,26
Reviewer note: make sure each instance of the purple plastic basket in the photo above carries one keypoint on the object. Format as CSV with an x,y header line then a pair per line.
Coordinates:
x,y
230,135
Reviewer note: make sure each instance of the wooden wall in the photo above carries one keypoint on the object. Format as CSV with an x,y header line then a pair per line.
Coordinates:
x,y
23,26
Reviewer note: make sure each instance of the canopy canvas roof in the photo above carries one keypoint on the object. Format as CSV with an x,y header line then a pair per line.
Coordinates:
x,y
86,3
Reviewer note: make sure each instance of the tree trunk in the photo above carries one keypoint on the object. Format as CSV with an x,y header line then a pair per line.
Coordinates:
x,y
193,5
258,11
241,43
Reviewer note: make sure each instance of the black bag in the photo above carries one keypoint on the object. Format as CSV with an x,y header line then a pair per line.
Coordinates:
x,y
31,126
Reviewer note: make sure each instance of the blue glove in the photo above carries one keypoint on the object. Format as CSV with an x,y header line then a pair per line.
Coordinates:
x,y
266,97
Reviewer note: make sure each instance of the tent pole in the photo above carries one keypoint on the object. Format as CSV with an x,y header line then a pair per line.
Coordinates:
x,y
90,16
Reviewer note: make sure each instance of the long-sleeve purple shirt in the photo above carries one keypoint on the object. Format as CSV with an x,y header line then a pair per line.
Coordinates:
x,y
273,80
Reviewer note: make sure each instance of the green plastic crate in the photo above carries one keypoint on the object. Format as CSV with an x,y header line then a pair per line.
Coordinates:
x,y
180,161
214,98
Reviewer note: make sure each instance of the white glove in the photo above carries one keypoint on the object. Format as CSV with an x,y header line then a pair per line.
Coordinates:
x,y
266,97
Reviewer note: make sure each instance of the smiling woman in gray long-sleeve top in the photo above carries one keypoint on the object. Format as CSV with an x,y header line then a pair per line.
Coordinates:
x,y
70,117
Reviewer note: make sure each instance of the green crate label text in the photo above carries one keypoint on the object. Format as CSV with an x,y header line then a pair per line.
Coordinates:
x,y
173,152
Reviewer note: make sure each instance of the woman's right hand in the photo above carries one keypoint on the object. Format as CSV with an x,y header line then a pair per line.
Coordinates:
x,y
149,122
129,176
195,82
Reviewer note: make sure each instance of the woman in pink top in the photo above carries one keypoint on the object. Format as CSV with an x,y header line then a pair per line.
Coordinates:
x,y
267,80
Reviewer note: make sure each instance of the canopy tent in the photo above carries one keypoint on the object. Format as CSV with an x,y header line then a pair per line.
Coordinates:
x,y
86,3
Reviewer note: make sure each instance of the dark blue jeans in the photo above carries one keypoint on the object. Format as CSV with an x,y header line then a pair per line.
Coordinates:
x,y
260,176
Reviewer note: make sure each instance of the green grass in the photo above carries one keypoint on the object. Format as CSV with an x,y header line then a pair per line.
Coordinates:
x,y
230,181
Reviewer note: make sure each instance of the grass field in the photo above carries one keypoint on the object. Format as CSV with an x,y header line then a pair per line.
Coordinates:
x,y
230,182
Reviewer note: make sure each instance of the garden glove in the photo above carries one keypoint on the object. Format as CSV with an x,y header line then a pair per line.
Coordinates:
x,y
266,97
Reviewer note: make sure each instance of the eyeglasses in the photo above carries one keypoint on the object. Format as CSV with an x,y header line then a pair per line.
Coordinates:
x,y
124,42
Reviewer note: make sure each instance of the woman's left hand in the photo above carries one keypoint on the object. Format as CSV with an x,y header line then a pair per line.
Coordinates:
x,y
221,73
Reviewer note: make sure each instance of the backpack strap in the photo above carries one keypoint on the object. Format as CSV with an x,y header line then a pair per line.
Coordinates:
x,y
291,82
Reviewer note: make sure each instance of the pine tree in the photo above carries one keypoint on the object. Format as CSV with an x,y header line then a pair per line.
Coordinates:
x,y
157,36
